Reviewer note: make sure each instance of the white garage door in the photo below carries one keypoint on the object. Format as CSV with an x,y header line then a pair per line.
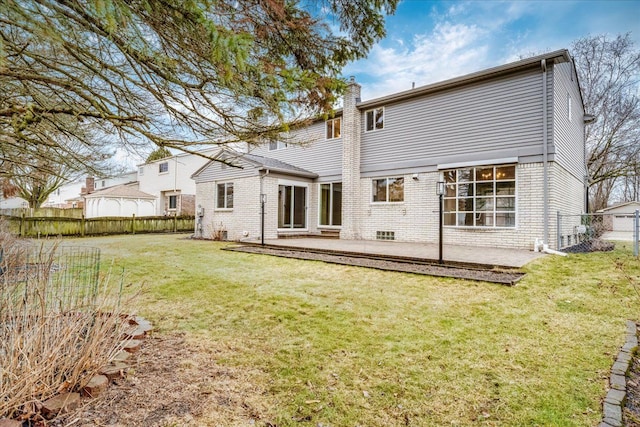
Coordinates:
x,y
623,222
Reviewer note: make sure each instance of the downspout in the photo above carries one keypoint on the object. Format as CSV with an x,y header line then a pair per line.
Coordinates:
x,y
263,200
545,153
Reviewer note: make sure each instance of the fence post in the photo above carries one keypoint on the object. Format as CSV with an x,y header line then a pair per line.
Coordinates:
x,y
175,223
636,232
133,224
21,228
559,228
82,225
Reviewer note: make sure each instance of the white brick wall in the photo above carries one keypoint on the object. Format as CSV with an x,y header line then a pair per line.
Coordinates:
x,y
566,195
245,215
416,219
351,193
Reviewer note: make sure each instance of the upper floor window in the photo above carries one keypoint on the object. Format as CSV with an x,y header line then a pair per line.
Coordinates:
x,y
334,128
374,119
141,170
277,145
480,197
224,199
163,167
388,190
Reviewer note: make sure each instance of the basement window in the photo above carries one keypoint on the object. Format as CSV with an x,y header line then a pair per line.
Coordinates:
x,y
385,235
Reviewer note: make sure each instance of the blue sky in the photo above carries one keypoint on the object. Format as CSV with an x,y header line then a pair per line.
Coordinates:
x,y
431,41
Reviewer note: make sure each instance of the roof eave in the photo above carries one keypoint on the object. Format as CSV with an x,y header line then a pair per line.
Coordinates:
x,y
290,172
562,55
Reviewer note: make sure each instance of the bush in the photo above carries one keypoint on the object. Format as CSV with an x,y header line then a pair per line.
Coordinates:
x,y
59,322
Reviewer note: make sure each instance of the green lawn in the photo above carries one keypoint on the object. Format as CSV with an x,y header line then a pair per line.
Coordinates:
x,y
347,346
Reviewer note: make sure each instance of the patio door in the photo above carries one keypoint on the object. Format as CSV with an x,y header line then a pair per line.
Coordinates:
x,y
292,206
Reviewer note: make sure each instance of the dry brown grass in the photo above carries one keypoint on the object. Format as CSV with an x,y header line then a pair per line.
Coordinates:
x,y
56,328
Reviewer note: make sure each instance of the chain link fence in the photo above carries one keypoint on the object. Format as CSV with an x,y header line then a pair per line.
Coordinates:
x,y
54,279
596,231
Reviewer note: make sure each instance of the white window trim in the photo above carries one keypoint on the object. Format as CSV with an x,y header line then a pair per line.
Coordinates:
x,y
165,172
280,145
332,121
371,202
225,209
169,208
384,119
334,227
494,228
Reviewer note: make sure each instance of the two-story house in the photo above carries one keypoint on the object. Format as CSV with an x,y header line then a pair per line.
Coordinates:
x,y
507,143
169,180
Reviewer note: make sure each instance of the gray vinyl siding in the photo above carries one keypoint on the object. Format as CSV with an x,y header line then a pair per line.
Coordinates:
x,y
489,119
217,171
568,135
311,151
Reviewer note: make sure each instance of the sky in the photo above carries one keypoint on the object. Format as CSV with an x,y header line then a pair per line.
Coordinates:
x,y
431,41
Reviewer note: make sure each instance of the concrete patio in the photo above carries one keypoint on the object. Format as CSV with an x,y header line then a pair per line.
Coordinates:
x,y
427,251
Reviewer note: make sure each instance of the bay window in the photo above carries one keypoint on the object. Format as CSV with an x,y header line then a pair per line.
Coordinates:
x,y
480,196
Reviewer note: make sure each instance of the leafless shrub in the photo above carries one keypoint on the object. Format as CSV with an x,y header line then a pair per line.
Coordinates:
x,y
60,322
218,232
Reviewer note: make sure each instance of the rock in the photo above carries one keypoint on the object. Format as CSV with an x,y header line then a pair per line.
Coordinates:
x,y
114,370
96,385
5,422
121,356
132,346
136,333
60,403
618,382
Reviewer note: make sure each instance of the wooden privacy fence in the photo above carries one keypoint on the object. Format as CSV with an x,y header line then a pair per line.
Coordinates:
x,y
44,226
44,212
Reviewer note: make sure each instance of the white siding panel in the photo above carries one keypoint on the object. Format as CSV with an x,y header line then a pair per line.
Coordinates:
x,y
308,149
568,135
216,171
503,114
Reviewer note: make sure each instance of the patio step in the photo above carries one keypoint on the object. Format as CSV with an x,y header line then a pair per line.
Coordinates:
x,y
325,234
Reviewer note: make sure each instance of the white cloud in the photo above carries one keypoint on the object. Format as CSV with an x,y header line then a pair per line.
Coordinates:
x,y
450,50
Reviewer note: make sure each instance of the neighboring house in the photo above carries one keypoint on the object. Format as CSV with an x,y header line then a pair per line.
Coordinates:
x,y
620,217
66,196
70,194
13,202
125,178
120,200
169,180
507,142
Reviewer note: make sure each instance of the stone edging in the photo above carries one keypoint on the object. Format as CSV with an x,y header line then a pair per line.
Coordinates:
x,y
132,341
614,401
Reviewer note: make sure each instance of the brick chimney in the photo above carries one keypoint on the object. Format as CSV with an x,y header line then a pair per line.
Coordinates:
x,y
89,186
351,194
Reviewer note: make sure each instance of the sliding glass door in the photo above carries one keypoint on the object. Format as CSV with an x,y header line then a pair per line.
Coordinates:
x,y
292,206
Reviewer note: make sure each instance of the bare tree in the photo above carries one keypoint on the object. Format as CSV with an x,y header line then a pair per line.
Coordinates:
x,y
609,73
178,74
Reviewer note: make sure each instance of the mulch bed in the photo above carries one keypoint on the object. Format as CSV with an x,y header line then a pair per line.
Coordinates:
x,y
509,277
631,412
172,383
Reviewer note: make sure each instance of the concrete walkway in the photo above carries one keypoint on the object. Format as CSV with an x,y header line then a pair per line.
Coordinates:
x,y
467,254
